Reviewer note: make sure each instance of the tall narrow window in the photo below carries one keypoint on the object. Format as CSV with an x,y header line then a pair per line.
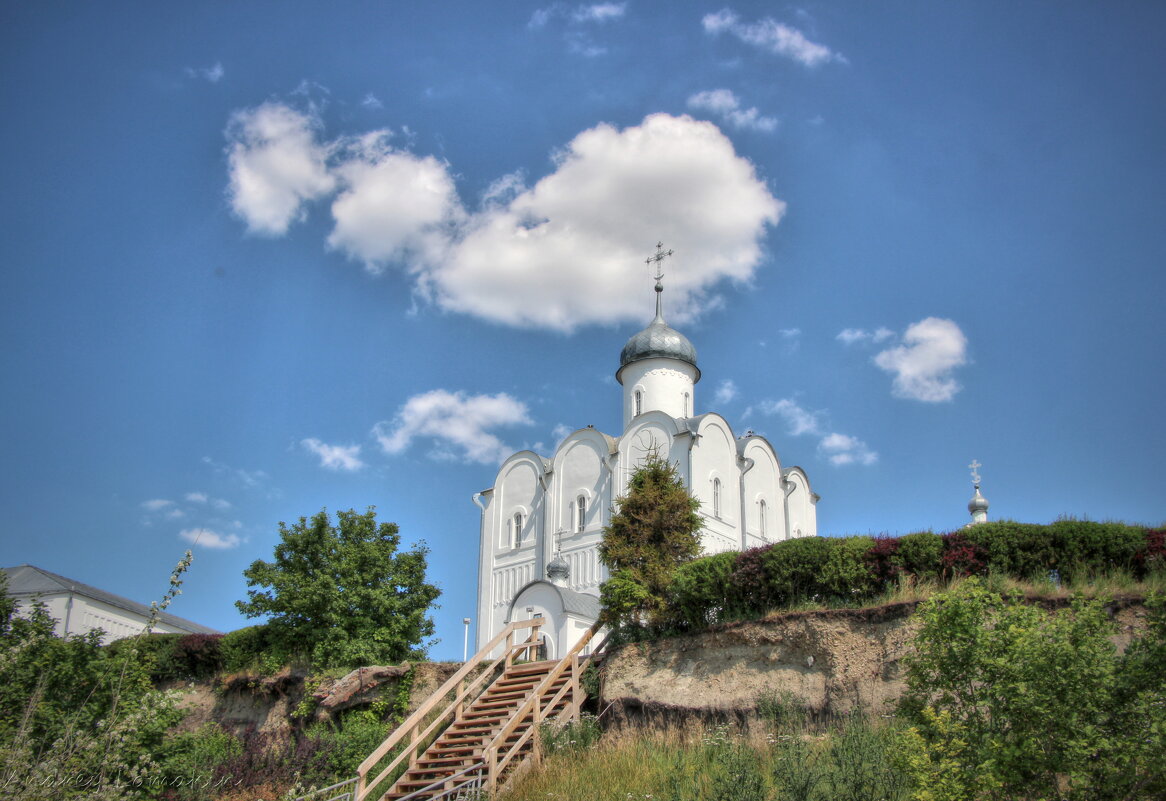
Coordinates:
x,y
685,404
580,512
639,403
517,529
716,497
761,515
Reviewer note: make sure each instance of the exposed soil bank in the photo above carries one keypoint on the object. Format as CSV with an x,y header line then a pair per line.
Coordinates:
x,y
833,661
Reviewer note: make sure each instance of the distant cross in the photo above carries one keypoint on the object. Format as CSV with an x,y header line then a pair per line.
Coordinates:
x,y
975,471
658,260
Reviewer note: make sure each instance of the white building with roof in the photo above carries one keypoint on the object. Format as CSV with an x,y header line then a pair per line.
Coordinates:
x,y
79,607
543,519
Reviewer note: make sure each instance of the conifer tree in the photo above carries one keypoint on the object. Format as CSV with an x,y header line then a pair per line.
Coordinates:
x,y
654,528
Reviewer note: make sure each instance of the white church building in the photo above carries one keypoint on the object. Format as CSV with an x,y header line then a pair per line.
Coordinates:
x,y
543,519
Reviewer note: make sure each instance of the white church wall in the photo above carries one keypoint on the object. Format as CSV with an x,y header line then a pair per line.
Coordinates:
x,y
761,484
801,504
652,432
716,483
579,471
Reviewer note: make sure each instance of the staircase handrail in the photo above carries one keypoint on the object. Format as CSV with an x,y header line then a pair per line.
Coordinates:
x,y
496,764
409,727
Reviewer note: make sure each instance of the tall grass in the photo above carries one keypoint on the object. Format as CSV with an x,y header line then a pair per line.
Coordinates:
x,y
787,755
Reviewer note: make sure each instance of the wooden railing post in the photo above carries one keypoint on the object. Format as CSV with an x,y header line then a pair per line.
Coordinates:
x,y
575,699
491,771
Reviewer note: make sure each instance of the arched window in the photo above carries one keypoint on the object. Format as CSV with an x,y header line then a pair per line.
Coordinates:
x,y
761,516
639,403
517,529
685,405
580,512
716,497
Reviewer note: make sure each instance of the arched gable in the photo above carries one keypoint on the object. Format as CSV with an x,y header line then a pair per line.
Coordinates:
x,y
801,503
518,491
653,431
580,468
763,499
716,481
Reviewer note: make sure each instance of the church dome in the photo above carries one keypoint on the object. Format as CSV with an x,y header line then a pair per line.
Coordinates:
x,y
978,503
658,341
558,571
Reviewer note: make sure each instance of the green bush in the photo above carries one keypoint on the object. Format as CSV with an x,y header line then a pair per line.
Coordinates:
x,y
251,648
701,591
792,568
921,554
1094,548
844,574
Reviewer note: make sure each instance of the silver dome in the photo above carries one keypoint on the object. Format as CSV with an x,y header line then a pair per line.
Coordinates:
x,y
978,502
558,571
659,340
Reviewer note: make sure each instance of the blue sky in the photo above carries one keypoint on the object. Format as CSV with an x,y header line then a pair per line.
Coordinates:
x,y
261,259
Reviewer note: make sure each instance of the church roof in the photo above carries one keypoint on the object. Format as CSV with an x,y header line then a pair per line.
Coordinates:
x,y
28,580
658,340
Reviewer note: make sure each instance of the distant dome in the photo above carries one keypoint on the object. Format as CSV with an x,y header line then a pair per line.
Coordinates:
x,y
558,571
978,503
658,341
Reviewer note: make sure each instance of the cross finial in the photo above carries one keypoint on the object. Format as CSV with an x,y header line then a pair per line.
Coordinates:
x,y
975,466
658,260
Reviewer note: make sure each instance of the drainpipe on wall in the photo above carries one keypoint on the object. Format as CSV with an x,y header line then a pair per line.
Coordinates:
x,y
788,488
68,611
748,463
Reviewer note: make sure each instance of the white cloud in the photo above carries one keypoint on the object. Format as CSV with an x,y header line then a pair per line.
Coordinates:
x,y
371,101
458,425
798,420
275,166
850,336
727,105
565,252
210,539
932,348
334,457
560,432
725,393
247,478
599,12
841,449
772,36
196,497
394,206
213,74
219,503
156,505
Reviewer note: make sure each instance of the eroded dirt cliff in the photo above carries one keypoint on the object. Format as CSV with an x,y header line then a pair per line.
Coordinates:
x,y
831,660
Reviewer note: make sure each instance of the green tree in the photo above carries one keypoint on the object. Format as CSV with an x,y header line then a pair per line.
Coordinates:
x,y
343,595
653,530
1012,701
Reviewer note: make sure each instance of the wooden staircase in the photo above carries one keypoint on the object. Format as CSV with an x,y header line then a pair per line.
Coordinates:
x,y
488,733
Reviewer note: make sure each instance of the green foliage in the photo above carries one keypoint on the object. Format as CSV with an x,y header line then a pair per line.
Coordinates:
x,y
78,720
921,554
1011,701
844,574
701,591
192,761
251,648
342,595
654,529
792,568
578,735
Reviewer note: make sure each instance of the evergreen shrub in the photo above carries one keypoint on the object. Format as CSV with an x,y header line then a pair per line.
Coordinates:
x,y
751,587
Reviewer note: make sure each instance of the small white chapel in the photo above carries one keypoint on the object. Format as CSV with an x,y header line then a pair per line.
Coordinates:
x,y
543,519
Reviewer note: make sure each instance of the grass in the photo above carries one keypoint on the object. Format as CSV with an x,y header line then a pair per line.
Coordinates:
x,y
783,757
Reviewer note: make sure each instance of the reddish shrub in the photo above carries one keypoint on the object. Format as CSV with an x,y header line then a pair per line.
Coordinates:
x,y
962,556
882,560
1151,557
